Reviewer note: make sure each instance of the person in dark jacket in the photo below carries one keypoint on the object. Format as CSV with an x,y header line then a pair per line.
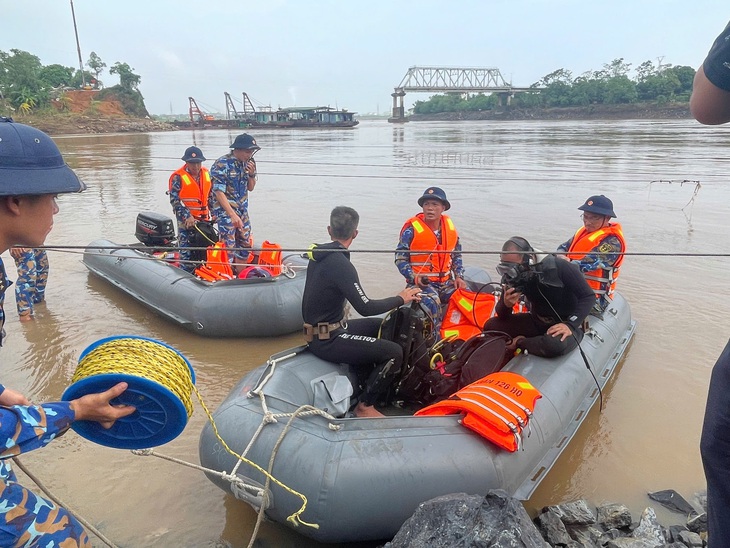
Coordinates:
x,y
331,282
557,295
710,104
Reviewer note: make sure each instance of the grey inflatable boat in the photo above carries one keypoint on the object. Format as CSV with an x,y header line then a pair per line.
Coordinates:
x,y
362,478
255,307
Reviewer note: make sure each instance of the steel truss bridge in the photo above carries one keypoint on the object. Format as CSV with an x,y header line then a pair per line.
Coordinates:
x,y
452,80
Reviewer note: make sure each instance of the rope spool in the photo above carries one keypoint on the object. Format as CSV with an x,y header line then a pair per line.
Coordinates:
x,y
160,379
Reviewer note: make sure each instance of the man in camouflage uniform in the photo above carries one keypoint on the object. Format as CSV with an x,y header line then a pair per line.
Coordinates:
x,y
30,287
32,173
233,177
597,249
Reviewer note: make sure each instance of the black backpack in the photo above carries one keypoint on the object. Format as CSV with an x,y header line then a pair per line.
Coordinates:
x,y
466,362
411,326
204,235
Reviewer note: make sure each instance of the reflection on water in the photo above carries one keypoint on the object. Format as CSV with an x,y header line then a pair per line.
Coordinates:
x,y
502,179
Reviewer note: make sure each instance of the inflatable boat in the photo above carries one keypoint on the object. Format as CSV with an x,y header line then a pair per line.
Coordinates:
x,y
251,307
358,479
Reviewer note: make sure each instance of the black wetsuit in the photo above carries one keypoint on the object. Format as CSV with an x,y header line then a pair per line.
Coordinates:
x,y
715,440
332,280
556,293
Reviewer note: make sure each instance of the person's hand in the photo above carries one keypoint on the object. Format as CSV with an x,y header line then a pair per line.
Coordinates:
x,y
11,397
559,330
189,222
410,294
460,283
96,407
512,346
562,256
510,296
18,252
236,221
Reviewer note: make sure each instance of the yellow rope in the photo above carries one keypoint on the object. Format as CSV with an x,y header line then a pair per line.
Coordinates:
x,y
156,362
141,358
295,518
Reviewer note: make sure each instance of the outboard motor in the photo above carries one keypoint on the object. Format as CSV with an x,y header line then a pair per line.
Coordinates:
x,y
154,229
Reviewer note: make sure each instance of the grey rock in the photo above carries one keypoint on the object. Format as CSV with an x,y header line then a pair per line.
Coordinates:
x,y
649,528
613,515
698,524
690,539
673,532
575,513
587,536
700,499
495,521
552,528
629,542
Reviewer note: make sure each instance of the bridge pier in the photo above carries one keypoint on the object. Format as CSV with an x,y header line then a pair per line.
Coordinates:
x,y
398,113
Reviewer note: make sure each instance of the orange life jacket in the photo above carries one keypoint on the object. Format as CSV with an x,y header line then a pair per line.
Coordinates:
x,y
602,280
435,266
496,407
194,196
467,312
216,266
270,257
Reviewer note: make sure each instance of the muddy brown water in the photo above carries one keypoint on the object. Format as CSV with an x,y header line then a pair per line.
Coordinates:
x,y
503,179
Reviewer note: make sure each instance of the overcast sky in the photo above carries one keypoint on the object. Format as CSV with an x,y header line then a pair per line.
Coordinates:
x,y
350,53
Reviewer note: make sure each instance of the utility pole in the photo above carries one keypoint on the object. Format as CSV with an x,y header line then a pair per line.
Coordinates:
x,y
78,46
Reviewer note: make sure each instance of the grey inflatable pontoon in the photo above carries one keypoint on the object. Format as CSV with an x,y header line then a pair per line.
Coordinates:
x,y
256,307
364,477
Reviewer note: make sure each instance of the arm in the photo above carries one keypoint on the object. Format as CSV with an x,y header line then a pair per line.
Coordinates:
x,y
710,101
565,246
604,255
251,171
575,282
182,213
457,266
402,257
348,282
27,427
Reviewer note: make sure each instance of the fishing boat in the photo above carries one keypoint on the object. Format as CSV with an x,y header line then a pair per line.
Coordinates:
x,y
251,307
358,479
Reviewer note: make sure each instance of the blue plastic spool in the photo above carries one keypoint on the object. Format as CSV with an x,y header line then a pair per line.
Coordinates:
x,y
160,416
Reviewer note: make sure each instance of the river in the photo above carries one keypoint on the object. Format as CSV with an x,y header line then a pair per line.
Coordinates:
x,y
502,179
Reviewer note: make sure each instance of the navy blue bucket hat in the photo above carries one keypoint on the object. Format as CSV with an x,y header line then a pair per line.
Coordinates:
x,y
600,205
245,142
193,154
434,193
30,163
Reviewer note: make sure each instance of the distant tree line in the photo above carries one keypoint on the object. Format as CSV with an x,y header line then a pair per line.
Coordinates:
x,y
612,85
27,84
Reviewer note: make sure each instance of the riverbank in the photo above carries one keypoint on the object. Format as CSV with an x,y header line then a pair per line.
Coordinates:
x,y
638,111
70,123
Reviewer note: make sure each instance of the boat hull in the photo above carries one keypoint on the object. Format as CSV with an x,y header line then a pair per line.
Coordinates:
x,y
257,307
364,477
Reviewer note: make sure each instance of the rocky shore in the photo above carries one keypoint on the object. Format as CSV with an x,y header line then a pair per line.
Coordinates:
x,y
498,520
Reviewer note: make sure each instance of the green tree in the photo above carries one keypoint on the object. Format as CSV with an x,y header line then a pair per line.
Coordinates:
x,y
128,80
617,67
56,75
95,64
644,70
20,77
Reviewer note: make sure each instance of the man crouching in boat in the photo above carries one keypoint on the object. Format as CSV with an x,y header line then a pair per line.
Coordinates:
x,y
32,173
332,280
557,294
